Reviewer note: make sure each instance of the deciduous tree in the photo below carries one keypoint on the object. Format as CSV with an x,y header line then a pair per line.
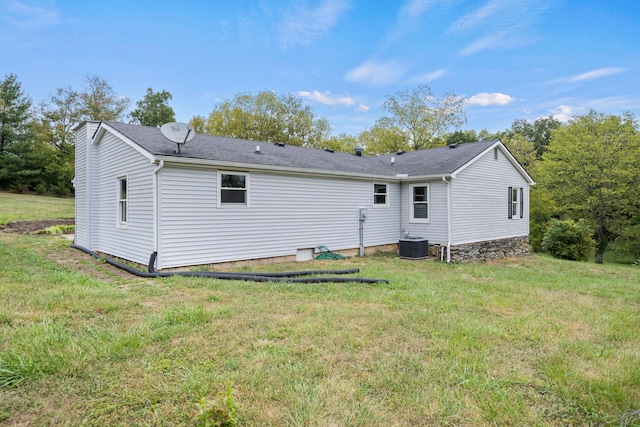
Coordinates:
x,y
266,116
342,142
538,133
461,136
154,109
382,140
591,171
100,101
420,117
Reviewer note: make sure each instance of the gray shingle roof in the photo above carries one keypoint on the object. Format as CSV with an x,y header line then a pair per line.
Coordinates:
x,y
435,161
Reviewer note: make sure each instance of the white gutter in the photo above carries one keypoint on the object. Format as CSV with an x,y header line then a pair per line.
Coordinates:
x,y
156,202
448,219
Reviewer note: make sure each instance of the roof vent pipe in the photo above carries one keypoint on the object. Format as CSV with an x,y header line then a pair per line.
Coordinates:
x,y
393,160
358,149
258,149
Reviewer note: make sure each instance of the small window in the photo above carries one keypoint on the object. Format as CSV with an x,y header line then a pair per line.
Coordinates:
x,y
495,153
516,202
233,188
123,210
419,203
380,194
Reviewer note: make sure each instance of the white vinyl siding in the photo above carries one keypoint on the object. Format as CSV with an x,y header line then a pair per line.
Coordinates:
x,y
135,241
80,180
436,229
287,213
479,201
85,197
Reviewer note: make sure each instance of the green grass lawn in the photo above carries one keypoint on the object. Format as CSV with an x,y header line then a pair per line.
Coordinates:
x,y
528,341
20,206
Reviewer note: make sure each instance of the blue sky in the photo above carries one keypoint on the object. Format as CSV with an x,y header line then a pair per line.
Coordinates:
x,y
509,59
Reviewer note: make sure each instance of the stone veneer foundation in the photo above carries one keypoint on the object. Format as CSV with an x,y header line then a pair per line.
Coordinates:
x,y
488,250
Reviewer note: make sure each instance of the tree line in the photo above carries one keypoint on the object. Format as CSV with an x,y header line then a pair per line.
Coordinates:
x,y
585,169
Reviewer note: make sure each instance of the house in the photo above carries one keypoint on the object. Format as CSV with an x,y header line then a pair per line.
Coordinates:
x,y
223,200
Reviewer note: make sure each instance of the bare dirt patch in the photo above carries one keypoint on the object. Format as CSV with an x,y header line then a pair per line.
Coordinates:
x,y
76,260
31,226
68,257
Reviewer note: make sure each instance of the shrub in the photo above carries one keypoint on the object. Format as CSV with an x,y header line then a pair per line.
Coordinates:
x,y
41,189
628,242
568,239
542,209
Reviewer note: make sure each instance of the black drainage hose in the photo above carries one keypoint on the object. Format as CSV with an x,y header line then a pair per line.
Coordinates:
x,y
152,262
292,277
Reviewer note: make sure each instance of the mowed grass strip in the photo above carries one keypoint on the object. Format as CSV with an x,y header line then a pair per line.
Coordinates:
x,y
15,207
528,341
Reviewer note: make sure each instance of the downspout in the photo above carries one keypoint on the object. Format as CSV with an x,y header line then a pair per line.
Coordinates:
x,y
448,219
156,203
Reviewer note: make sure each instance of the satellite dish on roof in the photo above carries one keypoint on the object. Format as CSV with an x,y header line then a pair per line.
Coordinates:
x,y
179,133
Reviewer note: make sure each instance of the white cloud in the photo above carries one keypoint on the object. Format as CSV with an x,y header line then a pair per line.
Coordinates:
x,y
596,74
472,20
303,25
481,44
589,75
376,73
363,108
428,77
413,9
499,24
326,98
30,18
408,20
563,113
485,99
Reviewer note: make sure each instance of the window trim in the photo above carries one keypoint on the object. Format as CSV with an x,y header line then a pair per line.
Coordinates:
x,y
247,186
386,195
412,219
122,201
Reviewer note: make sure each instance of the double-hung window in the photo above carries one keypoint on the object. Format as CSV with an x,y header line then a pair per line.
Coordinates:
x,y
516,203
419,208
380,196
123,202
234,188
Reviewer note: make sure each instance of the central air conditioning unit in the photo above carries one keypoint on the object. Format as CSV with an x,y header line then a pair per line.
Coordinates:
x,y
413,248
